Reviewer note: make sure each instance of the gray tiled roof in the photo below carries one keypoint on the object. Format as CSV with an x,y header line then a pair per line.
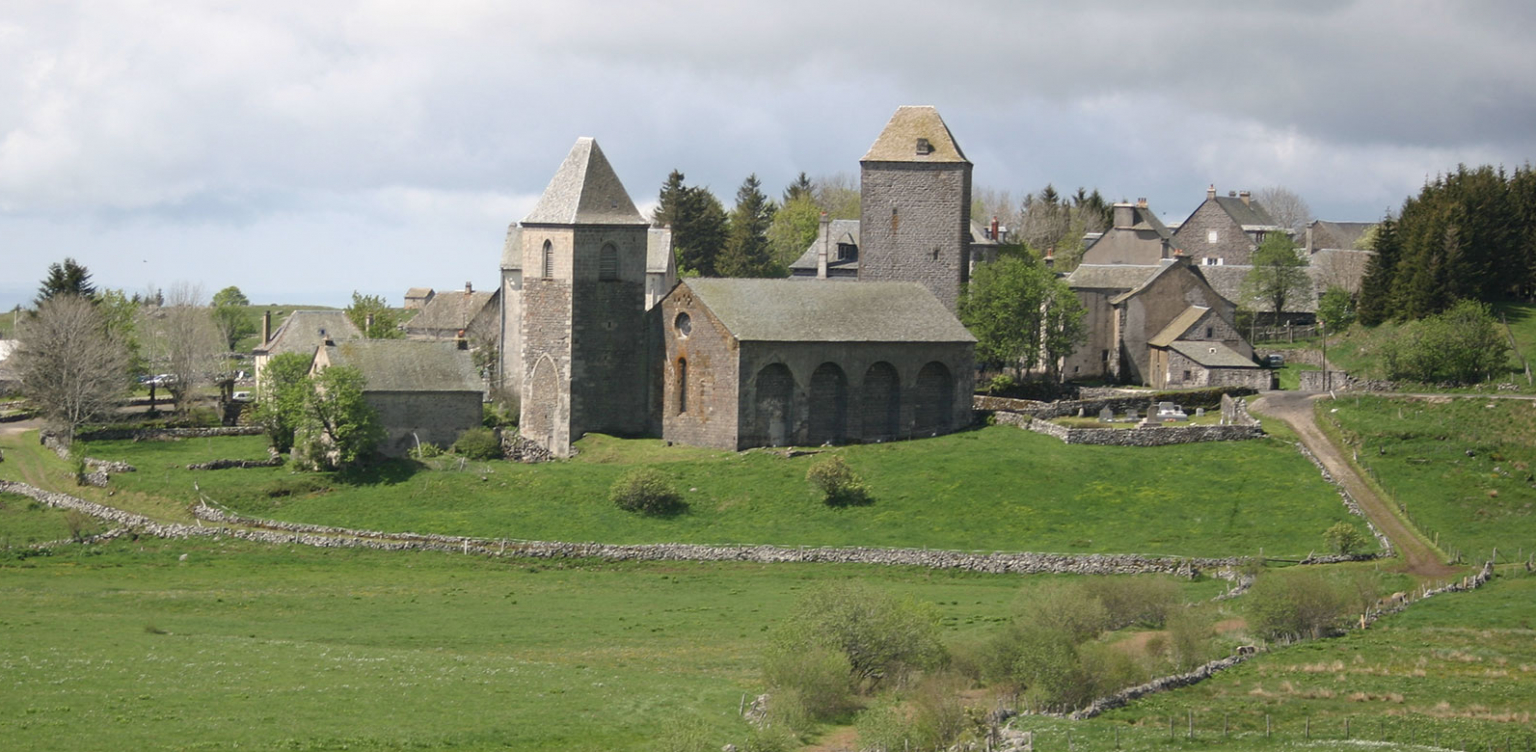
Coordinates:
x,y
402,365
781,310
1176,328
1110,276
898,142
1248,215
1146,219
1212,354
658,250
1337,235
842,231
418,292
452,309
303,331
585,191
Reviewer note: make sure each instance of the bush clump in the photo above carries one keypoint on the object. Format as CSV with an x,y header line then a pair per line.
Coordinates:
x,y
479,444
837,483
1344,538
646,491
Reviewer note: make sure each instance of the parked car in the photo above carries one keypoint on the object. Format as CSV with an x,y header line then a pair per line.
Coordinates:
x,y
241,396
1274,360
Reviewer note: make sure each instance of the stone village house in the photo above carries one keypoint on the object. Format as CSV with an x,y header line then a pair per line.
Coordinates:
x,y
424,392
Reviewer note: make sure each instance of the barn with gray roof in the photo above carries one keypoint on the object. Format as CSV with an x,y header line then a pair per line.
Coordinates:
x,y
424,392
756,362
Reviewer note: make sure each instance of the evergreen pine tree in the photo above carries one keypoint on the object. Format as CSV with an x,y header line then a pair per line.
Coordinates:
x,y
801,188
68,278
746,251
1380,272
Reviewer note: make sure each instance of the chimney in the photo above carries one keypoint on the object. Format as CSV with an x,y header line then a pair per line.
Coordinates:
x,y
469,289
1125,216
1210,192
993,237
1050,256
266,327
821,251
1141,203
460,341
325,339
1246,197
368,325
1231,194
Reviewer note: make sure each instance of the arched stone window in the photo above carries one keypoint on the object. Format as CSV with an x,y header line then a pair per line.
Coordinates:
x,y
682,385
880,404
773,419
608,262
549,260
828,408
935,399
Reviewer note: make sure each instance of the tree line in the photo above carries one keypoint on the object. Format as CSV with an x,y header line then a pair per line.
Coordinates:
x,y
1468,235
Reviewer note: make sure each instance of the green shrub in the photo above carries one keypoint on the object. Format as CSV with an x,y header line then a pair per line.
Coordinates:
x,y
479,444
1143,600
646,491
838,485
493,416
1297,604
1344,538
807,684
882,638
426,451
1001,384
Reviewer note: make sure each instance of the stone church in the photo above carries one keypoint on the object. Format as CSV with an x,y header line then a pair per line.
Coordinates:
x,y
736,363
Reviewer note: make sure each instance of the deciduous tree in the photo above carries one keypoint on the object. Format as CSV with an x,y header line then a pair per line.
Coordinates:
x,y
339,428
1021,315
280,398
71,365
373,317
1288,209
181,340
1279,274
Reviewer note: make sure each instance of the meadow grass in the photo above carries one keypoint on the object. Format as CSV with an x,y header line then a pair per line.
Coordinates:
x,y
1355,349
998,488
24,522
1459,667
130,646
1462,467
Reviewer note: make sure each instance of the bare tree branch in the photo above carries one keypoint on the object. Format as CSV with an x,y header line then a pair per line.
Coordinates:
x,y
71,366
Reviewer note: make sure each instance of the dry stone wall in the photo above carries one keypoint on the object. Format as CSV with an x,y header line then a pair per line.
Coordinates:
x,y
1144,437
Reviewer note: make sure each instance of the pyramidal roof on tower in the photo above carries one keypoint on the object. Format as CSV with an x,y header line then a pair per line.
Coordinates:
x,y
585,191
916,133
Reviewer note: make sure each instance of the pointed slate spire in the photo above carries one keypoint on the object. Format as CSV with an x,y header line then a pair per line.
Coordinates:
x,y
915,133
585,191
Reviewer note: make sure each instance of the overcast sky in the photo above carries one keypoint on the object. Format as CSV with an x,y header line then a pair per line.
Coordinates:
x,y
302,150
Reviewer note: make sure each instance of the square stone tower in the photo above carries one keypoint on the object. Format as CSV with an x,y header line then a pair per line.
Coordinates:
x,y
915,188
580,311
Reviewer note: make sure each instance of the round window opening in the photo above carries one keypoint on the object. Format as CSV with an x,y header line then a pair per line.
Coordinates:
x,y
683,324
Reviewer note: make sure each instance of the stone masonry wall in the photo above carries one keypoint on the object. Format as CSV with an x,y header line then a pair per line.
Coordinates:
x,y
924,239
1232,246
1145,437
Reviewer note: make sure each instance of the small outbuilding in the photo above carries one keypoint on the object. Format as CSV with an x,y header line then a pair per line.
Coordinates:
x,y
424,392
757,362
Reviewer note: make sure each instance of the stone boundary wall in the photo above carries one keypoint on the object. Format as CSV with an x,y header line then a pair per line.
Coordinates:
x,y
1207,398
281,533
163,434
1008,404
1144,437
1307,356
274,461
1163,684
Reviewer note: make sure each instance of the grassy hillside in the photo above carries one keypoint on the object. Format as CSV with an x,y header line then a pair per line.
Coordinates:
x,y
999,488
1463,467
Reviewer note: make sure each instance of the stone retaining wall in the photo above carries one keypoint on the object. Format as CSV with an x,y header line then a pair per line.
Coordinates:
x,y
162,434
987,402
1144,437
1306,356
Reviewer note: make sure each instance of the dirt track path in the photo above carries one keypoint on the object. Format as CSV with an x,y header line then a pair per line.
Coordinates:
x,y
1295,408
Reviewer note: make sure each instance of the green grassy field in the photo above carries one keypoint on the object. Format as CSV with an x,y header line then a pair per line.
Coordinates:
x,y
999,488
130,646
1459,667
24,522
1418,450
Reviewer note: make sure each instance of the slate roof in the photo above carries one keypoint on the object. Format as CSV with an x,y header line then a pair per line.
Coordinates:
x,y
1109,276
452,309
1211,354
1251,215
898,142
402,365
1337,235
512,249
842,231
303,331
782,310
418,292
1178,326
658,250
1147,220
1162,268
585,191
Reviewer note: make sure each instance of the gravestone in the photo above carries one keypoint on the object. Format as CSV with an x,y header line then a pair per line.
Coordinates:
x,y
1131,414
1079,412
1199,412
1106,415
